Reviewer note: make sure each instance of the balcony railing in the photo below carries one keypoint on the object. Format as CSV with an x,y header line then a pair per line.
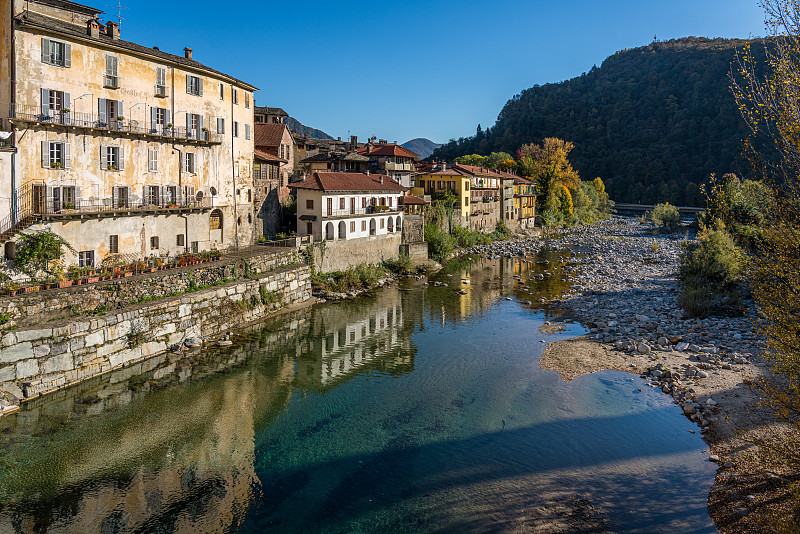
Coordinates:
x,y
369,210
40,115
160,91
112,82
50,208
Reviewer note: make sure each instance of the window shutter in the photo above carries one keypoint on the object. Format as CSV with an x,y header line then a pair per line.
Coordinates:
x,y
200,123
120,109
103,158
121,158
188,84
114,197
153,119
247,131
78,197
45,50
188,125
183,162
167,117
65,103
162,192
45,154
101,110
200,85
127,197
67,156
68,55
46,102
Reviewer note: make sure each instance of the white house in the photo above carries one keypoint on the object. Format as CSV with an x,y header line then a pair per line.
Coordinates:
x,y
341,205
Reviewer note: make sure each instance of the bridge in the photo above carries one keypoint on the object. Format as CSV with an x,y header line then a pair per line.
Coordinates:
x,y
685,210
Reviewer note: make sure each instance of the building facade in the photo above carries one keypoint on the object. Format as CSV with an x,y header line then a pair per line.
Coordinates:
x,y
395,161
124,150
345,206
276,139
525,201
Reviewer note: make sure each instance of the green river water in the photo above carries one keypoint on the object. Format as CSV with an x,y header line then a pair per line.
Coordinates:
x,y
412,409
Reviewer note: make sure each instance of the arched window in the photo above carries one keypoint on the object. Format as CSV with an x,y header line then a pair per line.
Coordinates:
x,y
215,221
342,230
390,224
399,224
329,231
371,227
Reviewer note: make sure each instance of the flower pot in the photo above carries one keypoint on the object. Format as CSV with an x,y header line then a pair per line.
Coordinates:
x,y
127,274
13,292
31,289
65,283
153,269
92,279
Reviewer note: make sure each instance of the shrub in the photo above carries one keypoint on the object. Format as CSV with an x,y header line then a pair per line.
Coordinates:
x,y
37,250
440,244
667,216
712,259
401,265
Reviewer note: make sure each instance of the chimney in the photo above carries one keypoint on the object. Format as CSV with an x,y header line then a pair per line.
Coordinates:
x,y
353,142
338,138
382,142
187,53
93,28
112,30
156,49
380,178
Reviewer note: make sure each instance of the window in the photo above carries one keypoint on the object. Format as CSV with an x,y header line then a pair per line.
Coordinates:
x,y
466,201
181,239
189,162
161,82
309,204
390,202
194,126
341,203
159,119
363,226
363,202
154,243
352,226
382,223
56,155
113,244
330,206
152,195
120,196
171,194
247,131
109,110
221,91
112,72
235,129
194,85
281,150
247,100
195,247
86,258
235,95
53,102
215,221
220,126
152,160
112,158
56,53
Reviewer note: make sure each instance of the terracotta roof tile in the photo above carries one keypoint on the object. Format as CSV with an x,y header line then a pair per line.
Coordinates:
x,y
268,134
266,156
410,200
348,181
388,150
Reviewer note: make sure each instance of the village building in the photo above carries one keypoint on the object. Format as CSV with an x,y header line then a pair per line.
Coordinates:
x,y
525,201
123,150
269,115
276,139
335,162
307,147
393,160
266,191
336,206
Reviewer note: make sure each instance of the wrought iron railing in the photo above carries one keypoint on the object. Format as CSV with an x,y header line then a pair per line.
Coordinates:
x,y
66,117
369,210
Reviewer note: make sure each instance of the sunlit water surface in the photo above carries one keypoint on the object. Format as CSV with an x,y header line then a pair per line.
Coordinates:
x,y
415,409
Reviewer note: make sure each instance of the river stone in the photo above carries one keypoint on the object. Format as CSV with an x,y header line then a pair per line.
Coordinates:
x,y
682,346
663,341
694,348
689,409
643,348
702,374
713,458
642,318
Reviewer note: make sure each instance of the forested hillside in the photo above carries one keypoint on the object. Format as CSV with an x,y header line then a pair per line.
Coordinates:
x,y
652,122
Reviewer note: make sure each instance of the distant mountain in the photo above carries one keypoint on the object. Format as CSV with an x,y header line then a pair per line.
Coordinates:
x,y
653,122
423,147
302,130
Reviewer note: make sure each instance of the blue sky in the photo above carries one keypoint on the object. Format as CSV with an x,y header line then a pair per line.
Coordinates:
x,y
400,70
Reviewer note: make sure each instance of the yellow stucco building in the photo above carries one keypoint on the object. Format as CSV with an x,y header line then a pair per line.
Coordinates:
x,y
122,149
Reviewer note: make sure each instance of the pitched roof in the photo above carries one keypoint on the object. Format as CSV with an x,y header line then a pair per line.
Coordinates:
x,y
410,200
519,180
70,6
388,150
336,156
266,110
268,133
477,171
266,156
348,181
449,171
74,30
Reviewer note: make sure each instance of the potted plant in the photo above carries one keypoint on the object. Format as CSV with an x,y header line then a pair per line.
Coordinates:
x,y
56,165
112,167
12,288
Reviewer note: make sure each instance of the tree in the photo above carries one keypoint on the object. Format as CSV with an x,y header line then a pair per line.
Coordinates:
x,y
37,250
549,166
770,106
496,159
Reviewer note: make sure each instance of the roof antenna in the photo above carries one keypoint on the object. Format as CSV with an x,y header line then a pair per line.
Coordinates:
x,y
119,8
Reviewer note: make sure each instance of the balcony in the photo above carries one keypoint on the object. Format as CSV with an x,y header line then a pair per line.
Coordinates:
x,y
160,91
408,167
56,210
89,122
111,82
360,212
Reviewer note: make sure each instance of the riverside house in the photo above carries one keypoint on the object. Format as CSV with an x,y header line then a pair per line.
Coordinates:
x,y
335,206
395,161
276,139
122,149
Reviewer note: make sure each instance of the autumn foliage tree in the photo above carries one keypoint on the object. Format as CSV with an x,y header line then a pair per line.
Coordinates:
x,y
769,101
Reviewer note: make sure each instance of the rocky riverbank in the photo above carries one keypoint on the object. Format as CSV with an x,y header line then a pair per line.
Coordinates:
x,y
624,290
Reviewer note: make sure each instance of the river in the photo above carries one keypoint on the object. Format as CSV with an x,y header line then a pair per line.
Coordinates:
x,y
412,409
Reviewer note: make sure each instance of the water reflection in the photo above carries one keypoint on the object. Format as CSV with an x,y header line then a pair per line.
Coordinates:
x,y
375,412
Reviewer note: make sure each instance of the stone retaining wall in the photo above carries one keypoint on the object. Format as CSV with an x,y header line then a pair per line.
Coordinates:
x,y
37,361
43,306
341,255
